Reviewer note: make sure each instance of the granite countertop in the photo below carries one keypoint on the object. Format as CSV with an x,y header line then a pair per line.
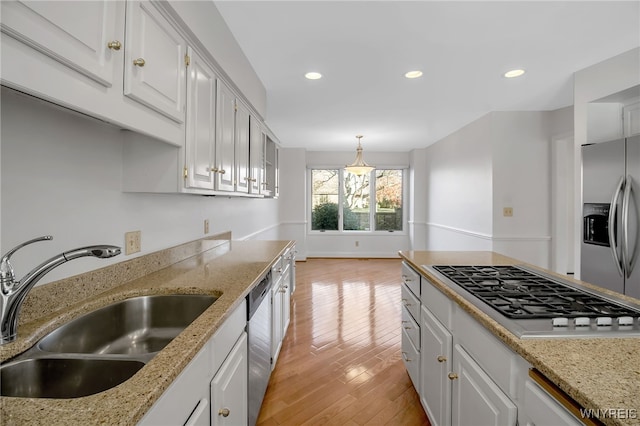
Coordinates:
x,y
229,274
598,373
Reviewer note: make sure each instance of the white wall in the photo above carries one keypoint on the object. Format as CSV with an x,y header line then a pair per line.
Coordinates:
x,y
522,180
293,212
62,175
598,81
503,159
458,190
418,179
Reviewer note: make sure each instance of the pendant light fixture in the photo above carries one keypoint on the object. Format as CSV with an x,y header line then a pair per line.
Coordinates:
x,y
359,167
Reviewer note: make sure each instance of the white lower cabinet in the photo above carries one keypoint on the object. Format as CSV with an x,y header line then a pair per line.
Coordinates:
x,y
435,391
229,388
476,399
541,409
280,304
214,380
467,376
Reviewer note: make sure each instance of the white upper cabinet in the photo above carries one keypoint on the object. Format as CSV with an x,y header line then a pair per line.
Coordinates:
x,y
225,138
256,156
201,130
242,148
155,61
80,34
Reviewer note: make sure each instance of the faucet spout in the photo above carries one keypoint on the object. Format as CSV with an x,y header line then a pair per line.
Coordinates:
x,y
14,292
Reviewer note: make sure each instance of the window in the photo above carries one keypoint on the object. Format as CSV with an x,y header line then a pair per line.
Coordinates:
x,y
342,201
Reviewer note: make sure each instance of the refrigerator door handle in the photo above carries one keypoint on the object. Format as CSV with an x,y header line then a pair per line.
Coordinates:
x,y
613,244
627,255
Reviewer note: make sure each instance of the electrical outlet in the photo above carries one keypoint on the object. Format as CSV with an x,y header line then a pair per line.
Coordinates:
x,y
132,242
206,226
357,243
507,211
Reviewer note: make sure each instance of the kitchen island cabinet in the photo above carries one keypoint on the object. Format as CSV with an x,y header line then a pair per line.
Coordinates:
x,y
596,373
228,270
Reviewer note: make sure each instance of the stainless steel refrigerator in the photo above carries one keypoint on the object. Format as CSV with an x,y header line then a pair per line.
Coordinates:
x,y
611,215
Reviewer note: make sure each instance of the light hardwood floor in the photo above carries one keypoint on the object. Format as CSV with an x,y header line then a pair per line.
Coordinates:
x,y
340,363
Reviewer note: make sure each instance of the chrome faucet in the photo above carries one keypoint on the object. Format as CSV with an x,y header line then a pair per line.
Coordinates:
x,y
13,292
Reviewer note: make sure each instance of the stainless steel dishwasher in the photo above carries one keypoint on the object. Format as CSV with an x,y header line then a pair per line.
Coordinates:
x,y
259,335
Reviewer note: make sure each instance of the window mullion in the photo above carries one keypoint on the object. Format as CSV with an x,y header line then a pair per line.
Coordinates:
x,y
372,200
340,200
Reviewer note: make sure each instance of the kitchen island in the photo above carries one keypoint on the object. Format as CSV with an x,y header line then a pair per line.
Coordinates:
x,y
225,269
600,374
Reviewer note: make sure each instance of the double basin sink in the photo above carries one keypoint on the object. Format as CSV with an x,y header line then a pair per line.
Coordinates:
x,y
101,349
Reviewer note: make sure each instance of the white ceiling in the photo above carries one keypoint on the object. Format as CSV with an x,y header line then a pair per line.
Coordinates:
x,y
363,49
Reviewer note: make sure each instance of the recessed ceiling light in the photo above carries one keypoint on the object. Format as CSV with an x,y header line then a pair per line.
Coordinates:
x,y
513,73
313,75
413,74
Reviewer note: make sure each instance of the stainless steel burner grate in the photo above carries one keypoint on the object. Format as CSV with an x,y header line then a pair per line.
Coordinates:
x,y
520,294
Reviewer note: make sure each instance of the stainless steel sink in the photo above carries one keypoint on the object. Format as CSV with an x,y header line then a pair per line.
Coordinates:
x,y
101,349
138,325
64,377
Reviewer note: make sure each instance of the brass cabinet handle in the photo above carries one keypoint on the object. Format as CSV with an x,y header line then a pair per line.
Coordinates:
x,y
452,376
442,358
224,412
139,62
223,171
406,357
212,170
114,45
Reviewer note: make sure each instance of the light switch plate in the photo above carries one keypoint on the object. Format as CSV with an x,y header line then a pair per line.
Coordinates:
x,y
132,242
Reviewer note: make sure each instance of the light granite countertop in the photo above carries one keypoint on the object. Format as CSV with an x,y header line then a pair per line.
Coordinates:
x,y
598,373
229,272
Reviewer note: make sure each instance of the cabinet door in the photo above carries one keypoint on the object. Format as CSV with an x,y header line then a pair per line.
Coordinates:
x,y
270,183
276,324
242,148
256,155
543,410
200,415
201,129
74,33
476,399
286,299
436,363
225,129
229,404
155,61
180,402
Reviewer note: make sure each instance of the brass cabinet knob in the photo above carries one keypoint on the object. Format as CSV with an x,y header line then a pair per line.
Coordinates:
x,y
139,62
452,376
223,171
212,169
224,412
114,45
406,357
442,358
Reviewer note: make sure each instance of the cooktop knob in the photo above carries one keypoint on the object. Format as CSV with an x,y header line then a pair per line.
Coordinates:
x,y
582,322
603,321
625,320
560,322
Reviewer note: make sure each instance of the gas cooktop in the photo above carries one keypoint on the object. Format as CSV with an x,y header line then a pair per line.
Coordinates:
x,y
532,304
